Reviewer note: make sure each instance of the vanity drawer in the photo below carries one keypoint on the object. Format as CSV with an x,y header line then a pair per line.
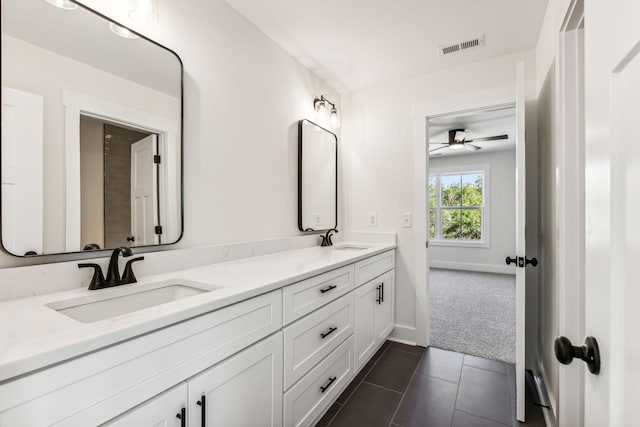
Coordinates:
x,y
303,297
371,268
90,389
308,399
311,339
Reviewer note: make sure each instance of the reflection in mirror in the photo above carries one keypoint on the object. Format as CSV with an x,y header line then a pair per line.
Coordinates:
x,y
317,177
91,134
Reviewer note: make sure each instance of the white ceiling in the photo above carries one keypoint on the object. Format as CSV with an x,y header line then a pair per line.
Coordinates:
x,y
85,37
478,124
354,44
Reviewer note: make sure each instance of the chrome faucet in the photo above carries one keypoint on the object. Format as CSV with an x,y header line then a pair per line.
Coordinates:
x,y
326,239
113,273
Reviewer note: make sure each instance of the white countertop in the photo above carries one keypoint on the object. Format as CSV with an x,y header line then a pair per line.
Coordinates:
x,y
33,335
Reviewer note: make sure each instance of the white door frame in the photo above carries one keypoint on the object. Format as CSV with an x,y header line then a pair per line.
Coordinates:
x,y
570,205
168,147
422,112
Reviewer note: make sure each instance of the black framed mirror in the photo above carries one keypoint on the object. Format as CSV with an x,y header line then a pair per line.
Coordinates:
x,y
92,133
317,177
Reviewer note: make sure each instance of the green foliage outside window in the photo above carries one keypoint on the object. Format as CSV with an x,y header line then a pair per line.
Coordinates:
x,y
461,206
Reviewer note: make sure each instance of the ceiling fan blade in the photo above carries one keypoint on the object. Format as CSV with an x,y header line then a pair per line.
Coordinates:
x,y
439,143
489,138
436,149
472,147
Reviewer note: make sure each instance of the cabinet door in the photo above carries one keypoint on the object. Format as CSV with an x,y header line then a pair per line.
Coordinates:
x,y
243,391
364,331
385,307
166,410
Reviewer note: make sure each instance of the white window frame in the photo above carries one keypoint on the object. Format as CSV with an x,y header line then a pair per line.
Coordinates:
x,y
485,169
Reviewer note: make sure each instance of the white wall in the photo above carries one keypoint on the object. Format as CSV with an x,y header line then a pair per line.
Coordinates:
x,y
378,132
501,214
243,97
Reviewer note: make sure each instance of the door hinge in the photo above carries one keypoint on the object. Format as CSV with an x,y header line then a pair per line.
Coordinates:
x,y
158,229
427,244
156,159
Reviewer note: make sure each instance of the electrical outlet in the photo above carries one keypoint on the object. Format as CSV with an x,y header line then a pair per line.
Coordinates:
x,y
406,219
373,219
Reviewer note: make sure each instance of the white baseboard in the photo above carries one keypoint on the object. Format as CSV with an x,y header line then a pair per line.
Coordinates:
x,y
544,396
482,268
403,334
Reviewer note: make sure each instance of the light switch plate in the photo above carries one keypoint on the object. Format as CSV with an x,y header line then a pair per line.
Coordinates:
x,y
406,219
373,219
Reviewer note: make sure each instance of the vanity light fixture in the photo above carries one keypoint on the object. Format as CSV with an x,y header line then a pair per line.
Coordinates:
x,y
122,31
63,4
144,12
320,105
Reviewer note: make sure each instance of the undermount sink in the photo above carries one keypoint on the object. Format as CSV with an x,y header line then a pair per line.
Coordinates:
x,y
347,247
112,302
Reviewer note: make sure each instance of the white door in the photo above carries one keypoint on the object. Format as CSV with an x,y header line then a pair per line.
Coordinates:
x,y
365,320
612,203
384,307
520,242
244,390
22,182
144,191
168,409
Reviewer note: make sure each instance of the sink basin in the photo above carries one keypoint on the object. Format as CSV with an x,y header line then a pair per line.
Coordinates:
x,y
112,302
347,247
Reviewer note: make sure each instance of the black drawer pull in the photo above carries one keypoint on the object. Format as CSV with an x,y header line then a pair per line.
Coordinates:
x,y
382,293
378,296
329,332
203,410
324,388
182,416
327,289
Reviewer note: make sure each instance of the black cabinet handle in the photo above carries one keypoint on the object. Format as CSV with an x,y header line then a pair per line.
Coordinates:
x,y
182,416
382,293
327,289
329,332
378,296
325,387
203,410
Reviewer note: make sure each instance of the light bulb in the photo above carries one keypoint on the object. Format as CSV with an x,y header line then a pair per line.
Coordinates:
x,y
335,120
121,31
321,106
144,12
456,145
63,4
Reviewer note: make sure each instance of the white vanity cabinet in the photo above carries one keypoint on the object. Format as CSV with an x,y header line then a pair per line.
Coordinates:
x,y
168,409
374,316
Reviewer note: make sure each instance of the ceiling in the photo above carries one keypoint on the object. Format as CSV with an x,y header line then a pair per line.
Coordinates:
x,y
478,124
355,44
85,37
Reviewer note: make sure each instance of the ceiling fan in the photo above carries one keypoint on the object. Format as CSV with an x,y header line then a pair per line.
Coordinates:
x,y
458,140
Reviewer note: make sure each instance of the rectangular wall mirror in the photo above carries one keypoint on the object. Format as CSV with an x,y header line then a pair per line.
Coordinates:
x,y
91,133
317,177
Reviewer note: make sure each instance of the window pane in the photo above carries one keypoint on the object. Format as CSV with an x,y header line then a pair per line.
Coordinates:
x,y
471,224
462,224
432,191
451,190
432,223
472,185
450,223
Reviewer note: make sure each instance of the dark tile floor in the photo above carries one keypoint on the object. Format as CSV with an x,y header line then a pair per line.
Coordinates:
x,y
406,386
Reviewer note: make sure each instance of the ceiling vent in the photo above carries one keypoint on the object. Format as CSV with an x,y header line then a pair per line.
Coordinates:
x,y
459,47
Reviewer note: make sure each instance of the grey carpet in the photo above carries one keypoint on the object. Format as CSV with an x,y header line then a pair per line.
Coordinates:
x,y
473,313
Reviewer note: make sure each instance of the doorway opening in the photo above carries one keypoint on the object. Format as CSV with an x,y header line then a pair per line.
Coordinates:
x,y
472,223
120,182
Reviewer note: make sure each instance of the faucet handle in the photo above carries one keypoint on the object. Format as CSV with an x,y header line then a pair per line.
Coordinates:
x,y
128,276
97,281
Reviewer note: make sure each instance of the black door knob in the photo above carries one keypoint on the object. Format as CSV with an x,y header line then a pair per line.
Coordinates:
x,y
511,260
131,239
533,261
589,352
